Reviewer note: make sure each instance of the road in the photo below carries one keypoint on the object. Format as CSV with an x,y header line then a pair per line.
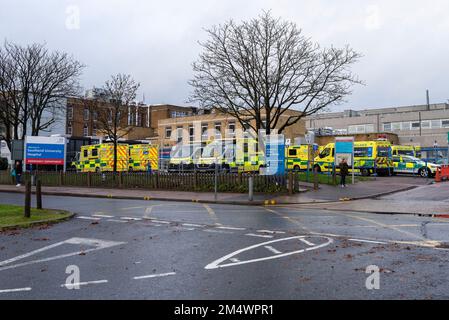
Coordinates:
x,y
168,250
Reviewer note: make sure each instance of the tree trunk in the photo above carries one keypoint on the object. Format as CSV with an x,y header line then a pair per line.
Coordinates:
x,y
115,156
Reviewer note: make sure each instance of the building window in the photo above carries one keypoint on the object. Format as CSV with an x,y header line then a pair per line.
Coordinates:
x,y
425,124
95,115
387,127
70,113
69,128
85,130
415,125
191,133
405,126
86,114
369,128
396,126
109,115
204,128
168,133
232,128
445,123
436,124
179,134
94,130
218,129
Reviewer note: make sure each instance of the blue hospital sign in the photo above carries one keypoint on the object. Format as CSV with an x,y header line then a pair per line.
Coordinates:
x,y
45,150
275,154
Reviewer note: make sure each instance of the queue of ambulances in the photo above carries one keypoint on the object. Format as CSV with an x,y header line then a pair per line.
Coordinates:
x,y
412,165
369,157
100,158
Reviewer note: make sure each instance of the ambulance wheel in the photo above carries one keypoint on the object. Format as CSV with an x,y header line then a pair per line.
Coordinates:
x,y
317,168
97,170
365,172
296,168
424,173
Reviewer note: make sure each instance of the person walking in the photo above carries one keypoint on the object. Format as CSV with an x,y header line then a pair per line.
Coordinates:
x,y
344,171
18,173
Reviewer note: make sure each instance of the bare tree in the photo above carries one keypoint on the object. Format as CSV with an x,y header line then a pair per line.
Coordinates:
x,y
33,84
258,70
121,91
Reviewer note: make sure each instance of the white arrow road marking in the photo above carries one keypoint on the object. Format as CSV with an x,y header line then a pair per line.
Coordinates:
x,y
275,251
72,285
269,231
234,260
306,242
96,243
15,290
155,275
216,263
258,235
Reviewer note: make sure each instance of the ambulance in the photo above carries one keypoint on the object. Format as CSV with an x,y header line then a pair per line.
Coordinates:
x,y
297,157
184,156
142,157
412,165
369,157
405,150
100,158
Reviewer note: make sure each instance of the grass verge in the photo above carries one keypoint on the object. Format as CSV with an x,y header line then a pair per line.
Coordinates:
x,y
12,216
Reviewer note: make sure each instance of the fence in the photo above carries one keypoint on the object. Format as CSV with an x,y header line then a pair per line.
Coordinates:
x,y
191,181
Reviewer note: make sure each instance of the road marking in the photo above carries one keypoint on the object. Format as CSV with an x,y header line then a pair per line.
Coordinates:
x,y
71,285
230,228
155,275
275,251
258,235
15,290
287,218
193,225
102,216
131,208
234,260
87,218
115,220
160,221
131,219
269,231
306,242
210,212
217,263
218,231
367,241
96,243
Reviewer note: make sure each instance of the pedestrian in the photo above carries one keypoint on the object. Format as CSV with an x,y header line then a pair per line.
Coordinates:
x,y
149,167
18,173
344,171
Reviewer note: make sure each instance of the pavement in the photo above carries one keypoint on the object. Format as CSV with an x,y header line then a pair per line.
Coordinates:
x,y
135,249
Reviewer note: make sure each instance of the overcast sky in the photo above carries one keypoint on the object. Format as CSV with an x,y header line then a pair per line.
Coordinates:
x,y
405,43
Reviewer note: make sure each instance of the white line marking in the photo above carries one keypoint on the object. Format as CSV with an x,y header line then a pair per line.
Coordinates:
x,y
218,231
234,260
102,216
131,208
71,285
306,242
96,243
275,251
216,263
193,225
88,218
15,290
155,275
231,228
269,231
114,220
258,235
131,219
160,221
367,241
